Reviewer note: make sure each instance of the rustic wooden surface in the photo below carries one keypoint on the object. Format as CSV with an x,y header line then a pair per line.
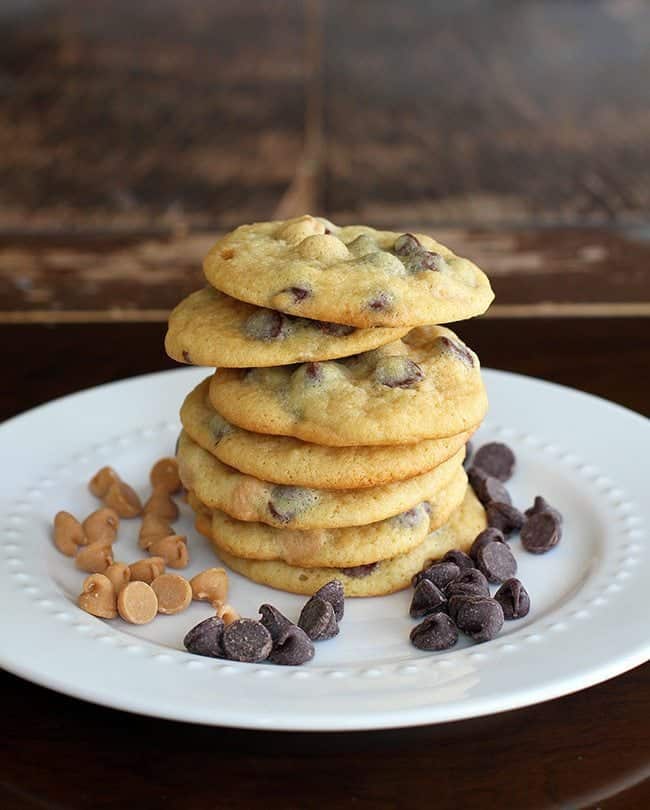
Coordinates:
x,y
132,134
588,750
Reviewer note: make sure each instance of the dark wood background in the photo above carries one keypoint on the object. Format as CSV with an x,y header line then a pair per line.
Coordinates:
x,y
132,133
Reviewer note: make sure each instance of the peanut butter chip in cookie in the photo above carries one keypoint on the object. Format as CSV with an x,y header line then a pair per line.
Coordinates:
x,y
137,603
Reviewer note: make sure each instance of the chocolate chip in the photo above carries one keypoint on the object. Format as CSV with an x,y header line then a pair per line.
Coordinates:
x,y
412,517
457,350
504,516
424,260
541,505
313,372
359,571
462,560
427,598
218,427
266,324
487,487
318,620
275,622
186,356
541,532
246,640
334,329
398,372
380,302
294,650
454,604
489,535
440,573
467,461
286,503
333,593
470,583
205,638
513,598
480,617
299,293
406,244
437,632
496,459
496,561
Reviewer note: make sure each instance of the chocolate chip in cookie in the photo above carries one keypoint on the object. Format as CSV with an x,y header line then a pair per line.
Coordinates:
x,y
457,350
267,324
287,502
398,372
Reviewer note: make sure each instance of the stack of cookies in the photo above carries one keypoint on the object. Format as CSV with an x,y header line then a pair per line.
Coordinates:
x,y
329,442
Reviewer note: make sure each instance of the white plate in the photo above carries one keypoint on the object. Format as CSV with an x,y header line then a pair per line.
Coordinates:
x,y
589,619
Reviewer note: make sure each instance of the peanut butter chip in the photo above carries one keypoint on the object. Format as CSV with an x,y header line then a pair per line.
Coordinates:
x,y
173,592
98,597
227,613
101,481
153,527
210,585
172,549
68,533
164,475
137,603
119,574
94,558
123,499
147,570
101,526
161,504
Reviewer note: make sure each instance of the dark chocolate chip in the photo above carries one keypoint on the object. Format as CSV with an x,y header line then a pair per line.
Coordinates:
x,y
334,329
462,560
296,649
424,260
541,505
490,535
470,583
487,487
454,604
440,573
186,356
513,598
205,638
437,632
266,324
398,372
299,293
275,622
218,427
504,516
427,598
480,617
359,571
412,517
334,593
246,640
497,459
541,532
380,302
318,620
496,561
457,350
288,502
313,372
406,244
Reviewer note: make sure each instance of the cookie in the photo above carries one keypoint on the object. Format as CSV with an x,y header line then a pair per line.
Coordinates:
x,y
253,500
427,385
209,328
352,275
343,547
285,460
372,580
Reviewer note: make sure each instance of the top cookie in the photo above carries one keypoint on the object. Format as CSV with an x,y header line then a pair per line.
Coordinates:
x,y
209,328
426,386
351,275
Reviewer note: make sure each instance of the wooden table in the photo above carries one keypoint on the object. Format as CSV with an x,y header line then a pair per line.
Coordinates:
x,y
131,134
